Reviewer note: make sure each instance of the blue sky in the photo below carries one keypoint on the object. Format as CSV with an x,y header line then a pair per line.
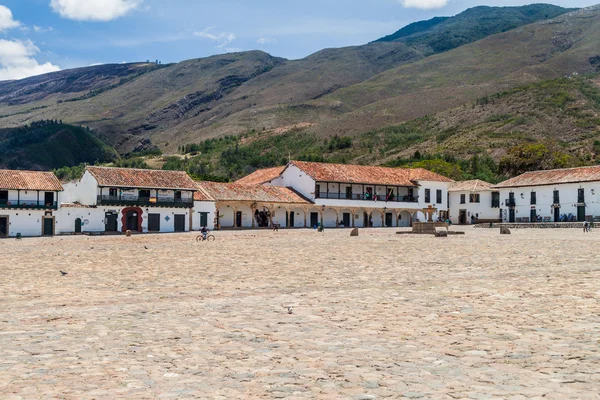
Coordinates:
x,y
39,36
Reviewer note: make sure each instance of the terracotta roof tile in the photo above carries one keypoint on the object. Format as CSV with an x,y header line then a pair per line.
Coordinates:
x,y
362,174
475,185
201,194
554,176
261,176
142,178
29,180
259,193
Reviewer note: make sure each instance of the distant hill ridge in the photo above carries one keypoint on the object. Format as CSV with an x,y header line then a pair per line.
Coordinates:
x,y
441,34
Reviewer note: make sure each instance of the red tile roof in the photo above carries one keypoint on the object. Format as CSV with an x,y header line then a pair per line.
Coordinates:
x,y
475,185
261,176
362,174
201,194
255,193
142,178
29,180
554,176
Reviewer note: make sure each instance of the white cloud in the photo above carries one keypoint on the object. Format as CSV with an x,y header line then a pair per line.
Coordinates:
x,y
17,60
222,39
266,40
94,10
6,19
39,29
424,4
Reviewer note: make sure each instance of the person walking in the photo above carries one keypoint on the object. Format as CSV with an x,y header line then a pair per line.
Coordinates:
x,y
586,226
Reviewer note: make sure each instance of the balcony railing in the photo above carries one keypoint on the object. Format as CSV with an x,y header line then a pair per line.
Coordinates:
x,y
145,201
31,204
368,197
510,203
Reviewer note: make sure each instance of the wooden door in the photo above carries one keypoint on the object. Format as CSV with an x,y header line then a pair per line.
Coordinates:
x,y
110,222
48,226
180,223
238,219
203,219
3,226
556,214
49,198
580,213
346,219
291,223
314,219
533,215
77,225
511,215
389,218
154,222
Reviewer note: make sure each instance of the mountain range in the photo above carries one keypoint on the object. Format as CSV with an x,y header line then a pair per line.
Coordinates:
x,y
428,68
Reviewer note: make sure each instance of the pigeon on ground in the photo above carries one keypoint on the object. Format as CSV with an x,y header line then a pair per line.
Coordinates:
x,y
63,273
146,247
290,311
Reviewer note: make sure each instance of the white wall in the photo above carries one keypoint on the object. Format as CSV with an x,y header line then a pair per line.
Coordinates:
x,y
298,179
92,218
84,191
433,186
544,197
481,210
204,206
25,222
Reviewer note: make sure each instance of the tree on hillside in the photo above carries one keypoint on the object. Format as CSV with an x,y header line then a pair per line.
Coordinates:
x,y
536,156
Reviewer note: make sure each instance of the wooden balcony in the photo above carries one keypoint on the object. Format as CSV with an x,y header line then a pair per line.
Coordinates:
x,y
144,201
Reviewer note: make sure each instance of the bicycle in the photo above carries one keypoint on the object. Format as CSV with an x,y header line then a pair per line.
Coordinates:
x,y
208,238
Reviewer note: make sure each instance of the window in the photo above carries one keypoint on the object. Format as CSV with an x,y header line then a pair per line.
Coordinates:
x,y
581,195
427,195
463,198
317,191
144,194
533,198
349,192
474,198
178,195
495,199
3,196
438,196
556,197
112,192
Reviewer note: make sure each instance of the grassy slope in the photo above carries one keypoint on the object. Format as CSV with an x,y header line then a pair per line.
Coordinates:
x,y
566,110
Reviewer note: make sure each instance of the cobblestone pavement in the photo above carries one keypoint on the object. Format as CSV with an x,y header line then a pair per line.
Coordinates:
x,y
478,316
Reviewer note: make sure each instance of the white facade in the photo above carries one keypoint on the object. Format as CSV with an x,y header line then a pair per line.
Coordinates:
x,y
568,202
26,212
466,210
335,199
98,209
208,208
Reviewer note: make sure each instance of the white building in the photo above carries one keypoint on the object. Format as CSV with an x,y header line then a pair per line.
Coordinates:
x,y
120,199
28,203
255,206
360,196
571,194
473,202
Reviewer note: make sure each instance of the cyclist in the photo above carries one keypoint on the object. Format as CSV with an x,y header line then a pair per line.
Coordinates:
x,y
204,231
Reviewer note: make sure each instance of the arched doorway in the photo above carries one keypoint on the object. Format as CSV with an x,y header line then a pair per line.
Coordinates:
x,y
77,225
132,219
404,219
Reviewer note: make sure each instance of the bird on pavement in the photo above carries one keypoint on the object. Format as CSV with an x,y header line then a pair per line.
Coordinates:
x,y
63,273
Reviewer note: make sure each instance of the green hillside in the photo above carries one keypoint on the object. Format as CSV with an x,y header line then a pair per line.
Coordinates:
x,y
46,145
441,34
559,119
